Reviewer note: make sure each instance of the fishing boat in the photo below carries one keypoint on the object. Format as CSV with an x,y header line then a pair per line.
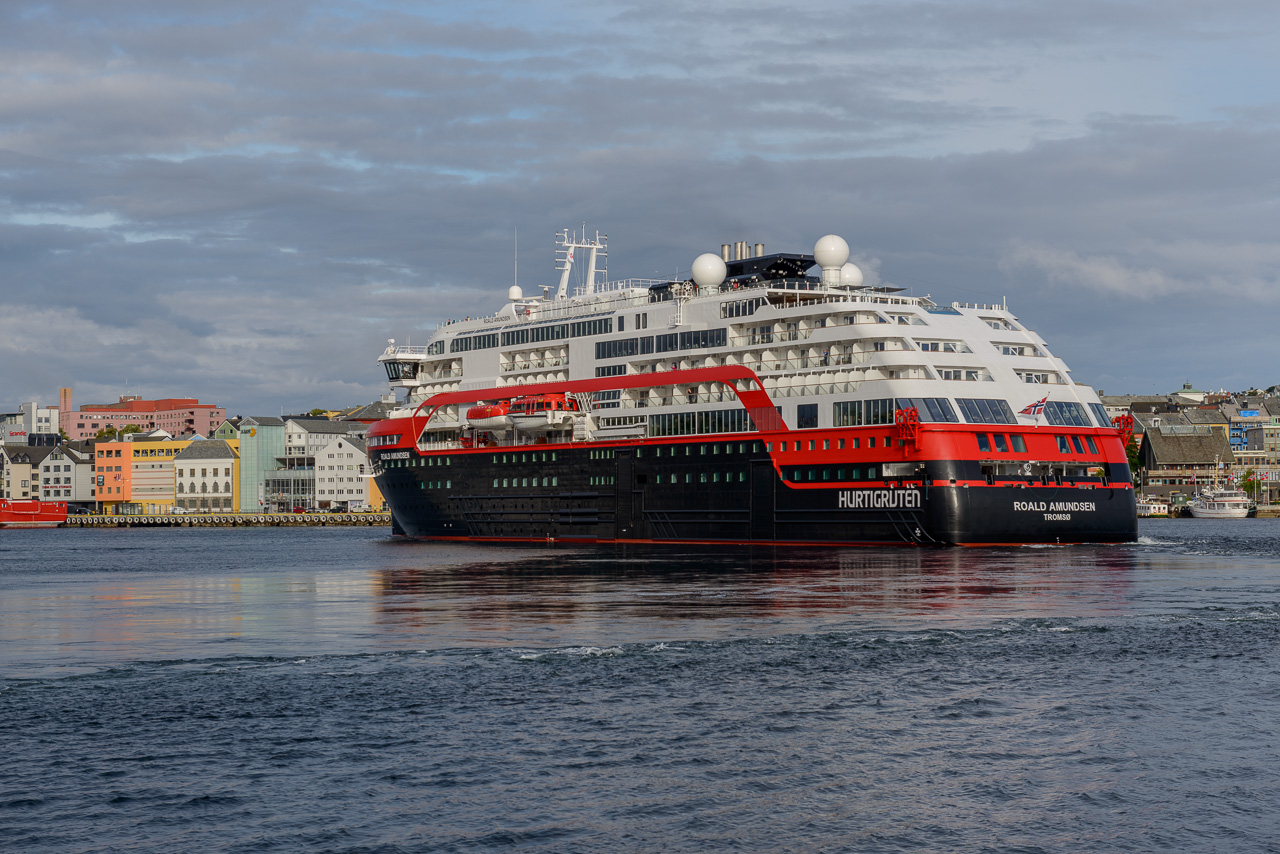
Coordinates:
x,y
764,398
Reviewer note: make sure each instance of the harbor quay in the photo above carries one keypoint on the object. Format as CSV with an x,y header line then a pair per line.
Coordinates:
x,y
232,520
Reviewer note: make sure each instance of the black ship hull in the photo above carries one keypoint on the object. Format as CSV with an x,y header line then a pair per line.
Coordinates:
x,y
718,492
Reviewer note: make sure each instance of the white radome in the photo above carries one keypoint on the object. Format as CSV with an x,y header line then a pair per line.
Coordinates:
x,y
514,293
851,276
709,270
831,252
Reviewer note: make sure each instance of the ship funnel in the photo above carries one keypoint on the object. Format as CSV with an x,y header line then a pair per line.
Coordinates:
x,y
831,252
726,252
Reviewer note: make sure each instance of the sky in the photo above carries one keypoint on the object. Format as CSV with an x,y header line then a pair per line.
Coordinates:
x,y
242,202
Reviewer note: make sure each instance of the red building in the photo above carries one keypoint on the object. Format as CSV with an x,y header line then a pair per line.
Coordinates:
x,y
175,415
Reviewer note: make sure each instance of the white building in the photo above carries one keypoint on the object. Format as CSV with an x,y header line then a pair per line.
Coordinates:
x,y
67,475
342,469
31,419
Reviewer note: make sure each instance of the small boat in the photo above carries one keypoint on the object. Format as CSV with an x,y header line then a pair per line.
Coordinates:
x,y
32,514
490,416
1216,503
542,413
1152,508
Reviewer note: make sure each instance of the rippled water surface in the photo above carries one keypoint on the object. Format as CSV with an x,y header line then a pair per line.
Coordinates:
x,y
334,690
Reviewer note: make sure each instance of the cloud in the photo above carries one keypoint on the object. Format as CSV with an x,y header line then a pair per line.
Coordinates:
x,y
244,201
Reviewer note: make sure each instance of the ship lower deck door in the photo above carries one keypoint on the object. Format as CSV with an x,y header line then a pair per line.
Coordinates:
x,y
625,497
763,481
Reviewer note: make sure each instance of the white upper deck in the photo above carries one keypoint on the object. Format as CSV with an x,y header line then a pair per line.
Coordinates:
x,y
816,342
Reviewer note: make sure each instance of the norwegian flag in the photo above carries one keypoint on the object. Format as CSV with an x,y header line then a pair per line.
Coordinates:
x,y
1035,408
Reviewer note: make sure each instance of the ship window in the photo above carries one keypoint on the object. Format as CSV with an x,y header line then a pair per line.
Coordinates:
x,y
688,477
826,474
1061,413
856,443
524,481
797,445
985,411
811,445
806,416
1001,445
1063,447
1018,445
505,482
495,483
871,472
871,441
715,477
555,480
984,442
930,408
1075,440
1093,449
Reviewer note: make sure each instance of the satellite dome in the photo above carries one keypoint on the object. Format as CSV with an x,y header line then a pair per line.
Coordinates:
x,y
709,270
851,276
514,293
830,251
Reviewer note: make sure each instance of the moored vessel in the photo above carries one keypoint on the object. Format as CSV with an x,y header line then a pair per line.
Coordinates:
x,y
755,401
32,514
1152,508
1220,503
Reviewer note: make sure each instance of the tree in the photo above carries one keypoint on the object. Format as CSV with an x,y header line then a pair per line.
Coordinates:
x,y
1132,451
318,411
1251,483
110,433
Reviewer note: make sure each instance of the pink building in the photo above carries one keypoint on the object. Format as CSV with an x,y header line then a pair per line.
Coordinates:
x,y
174,415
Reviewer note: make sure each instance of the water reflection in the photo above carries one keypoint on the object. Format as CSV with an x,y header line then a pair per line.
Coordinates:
x,y
663,585
82,599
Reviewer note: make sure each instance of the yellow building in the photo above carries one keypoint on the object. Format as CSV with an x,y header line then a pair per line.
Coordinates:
x,y
136,476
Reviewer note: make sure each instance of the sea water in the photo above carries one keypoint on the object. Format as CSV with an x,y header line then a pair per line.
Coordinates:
x,y
336,690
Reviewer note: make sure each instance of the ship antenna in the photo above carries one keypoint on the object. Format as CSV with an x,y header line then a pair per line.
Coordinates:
x,y
515,279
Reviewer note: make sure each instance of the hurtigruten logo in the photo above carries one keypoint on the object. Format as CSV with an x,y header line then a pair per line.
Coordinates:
x,y
878,499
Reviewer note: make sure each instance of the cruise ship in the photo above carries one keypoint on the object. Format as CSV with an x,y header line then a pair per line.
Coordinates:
x,y
767,398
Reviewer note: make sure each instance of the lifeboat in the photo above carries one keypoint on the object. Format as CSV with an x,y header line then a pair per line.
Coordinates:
x,y
490,416
542,413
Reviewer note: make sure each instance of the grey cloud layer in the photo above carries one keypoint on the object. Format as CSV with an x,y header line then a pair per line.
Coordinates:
x,y
243,203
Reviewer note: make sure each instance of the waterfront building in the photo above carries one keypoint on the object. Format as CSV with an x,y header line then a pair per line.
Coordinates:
x,y
21,477
262,444
174,415
67,475
207,477
293,482
1181,458
342,475
135,476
